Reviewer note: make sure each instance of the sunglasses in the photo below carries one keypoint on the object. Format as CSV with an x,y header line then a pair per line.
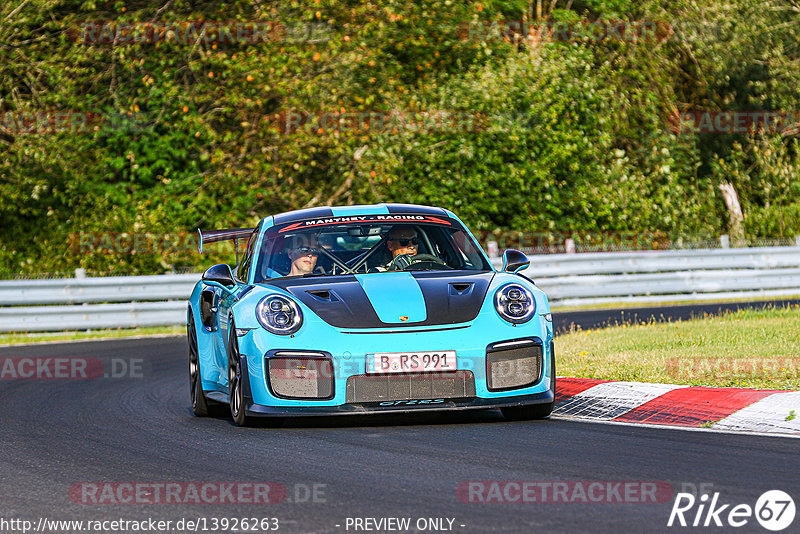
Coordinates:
x,y
305,251
407,242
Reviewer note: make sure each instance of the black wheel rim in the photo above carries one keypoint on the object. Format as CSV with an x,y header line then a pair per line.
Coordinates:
x,y
235,378
194,369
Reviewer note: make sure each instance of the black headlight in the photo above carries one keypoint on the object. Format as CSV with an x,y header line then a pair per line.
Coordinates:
x,y
515,303
279,315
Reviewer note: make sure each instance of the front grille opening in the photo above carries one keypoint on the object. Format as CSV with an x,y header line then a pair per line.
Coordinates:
x,y
301,378
517,366
419,386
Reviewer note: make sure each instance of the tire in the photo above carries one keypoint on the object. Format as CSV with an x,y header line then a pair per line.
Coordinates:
x,y
235,378
198,398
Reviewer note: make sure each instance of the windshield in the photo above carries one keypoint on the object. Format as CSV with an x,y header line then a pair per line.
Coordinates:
x,y
327,248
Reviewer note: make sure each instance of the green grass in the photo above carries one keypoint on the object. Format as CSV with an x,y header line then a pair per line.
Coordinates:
x,y
748,348
38,337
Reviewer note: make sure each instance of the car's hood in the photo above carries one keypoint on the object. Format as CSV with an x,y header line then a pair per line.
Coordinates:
x,y
392,299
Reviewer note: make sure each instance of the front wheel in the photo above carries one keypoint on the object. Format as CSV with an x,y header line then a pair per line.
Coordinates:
x,y
235,378
199,403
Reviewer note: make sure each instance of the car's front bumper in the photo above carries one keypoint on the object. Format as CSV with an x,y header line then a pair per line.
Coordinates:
x,y
541,392
347,352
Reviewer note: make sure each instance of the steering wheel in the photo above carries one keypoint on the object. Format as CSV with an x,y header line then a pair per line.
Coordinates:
x,y
404,261
426,257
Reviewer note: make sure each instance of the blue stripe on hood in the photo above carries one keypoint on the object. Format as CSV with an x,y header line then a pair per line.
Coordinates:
x,y
394,295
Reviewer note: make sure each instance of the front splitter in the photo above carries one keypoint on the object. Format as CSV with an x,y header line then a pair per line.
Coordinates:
x,y
374,408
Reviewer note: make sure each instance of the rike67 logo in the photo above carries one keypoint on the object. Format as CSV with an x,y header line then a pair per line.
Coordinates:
x,y
774,510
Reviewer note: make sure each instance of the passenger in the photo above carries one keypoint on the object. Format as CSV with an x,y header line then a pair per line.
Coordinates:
x,y
303,254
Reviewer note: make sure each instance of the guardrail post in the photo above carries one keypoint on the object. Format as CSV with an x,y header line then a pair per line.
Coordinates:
x,y
797,240
725,241
80,273
569,246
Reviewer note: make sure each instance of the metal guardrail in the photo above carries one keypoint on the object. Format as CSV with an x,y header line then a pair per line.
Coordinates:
x,y
553,265
103,289
71,303
664,276
685,284
568,279
92,316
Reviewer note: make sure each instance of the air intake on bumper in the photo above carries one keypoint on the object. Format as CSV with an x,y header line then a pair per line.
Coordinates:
x,y
513,364
301,375
447,385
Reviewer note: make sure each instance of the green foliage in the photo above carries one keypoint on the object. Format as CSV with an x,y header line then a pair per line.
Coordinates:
x,y
557,136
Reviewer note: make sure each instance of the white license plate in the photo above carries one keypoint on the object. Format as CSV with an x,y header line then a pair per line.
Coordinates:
x,y
411,362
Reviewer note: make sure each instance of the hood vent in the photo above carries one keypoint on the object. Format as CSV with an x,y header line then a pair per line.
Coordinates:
x,y
323,295
461,288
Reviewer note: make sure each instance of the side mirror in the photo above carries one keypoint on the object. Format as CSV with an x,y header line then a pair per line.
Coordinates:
x,y
514,261
219,276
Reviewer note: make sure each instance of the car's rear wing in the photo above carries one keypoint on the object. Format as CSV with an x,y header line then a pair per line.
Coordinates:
x,y
231,234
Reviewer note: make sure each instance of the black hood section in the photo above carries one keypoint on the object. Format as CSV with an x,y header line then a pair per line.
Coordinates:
x,y
450,297
340,301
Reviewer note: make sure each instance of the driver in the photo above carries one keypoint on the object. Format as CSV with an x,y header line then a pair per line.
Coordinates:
x,y
402,241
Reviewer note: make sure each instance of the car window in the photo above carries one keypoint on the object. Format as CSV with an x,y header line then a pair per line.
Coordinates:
x,y
326,249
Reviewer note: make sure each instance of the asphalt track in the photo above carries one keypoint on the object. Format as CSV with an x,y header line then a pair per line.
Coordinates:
x,y
138,428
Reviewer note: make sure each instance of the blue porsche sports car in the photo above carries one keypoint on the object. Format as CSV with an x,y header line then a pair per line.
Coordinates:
x,y
367,309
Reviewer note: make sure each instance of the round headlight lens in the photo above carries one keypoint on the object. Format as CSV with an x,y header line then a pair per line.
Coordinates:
x,y
515,294
279,315
515,309
515,303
